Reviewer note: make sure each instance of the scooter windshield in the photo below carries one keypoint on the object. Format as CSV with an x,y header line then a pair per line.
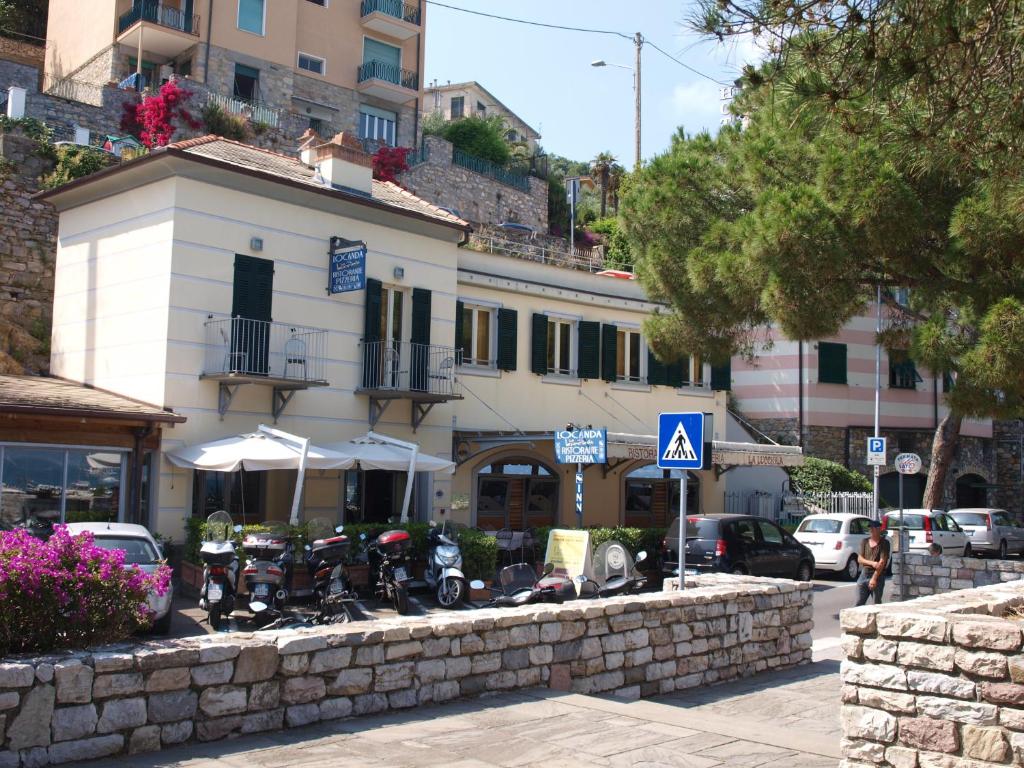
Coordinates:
x,y
517,577
612,559
219,527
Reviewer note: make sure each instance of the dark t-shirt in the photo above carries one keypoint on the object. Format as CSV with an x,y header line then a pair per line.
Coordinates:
x,y
874,553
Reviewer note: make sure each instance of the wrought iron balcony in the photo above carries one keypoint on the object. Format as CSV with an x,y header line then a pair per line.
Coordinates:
x,y
394,18
163,15
396,8
422,373
286,357
375,70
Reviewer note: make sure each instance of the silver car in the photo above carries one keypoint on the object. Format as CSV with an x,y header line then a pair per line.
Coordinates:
x,y
990,530
140,550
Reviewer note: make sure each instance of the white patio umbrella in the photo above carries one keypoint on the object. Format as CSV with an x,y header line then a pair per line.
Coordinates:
x,y
376,451
267,448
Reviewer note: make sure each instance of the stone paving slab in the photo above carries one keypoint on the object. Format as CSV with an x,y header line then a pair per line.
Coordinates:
x,y
777,720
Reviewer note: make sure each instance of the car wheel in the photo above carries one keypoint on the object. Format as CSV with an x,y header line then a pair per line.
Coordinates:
x,y
804,571
162,626
968,552
852,570
1003,549
739,570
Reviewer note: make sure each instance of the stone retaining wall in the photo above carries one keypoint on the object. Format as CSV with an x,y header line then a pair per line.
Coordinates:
x,y
137,698
927,575
935,682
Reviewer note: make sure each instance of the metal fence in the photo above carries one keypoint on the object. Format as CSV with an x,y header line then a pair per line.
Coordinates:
x,y
157,13
396,8
858,503
256,111
403,366
757,503
238,345
586,259
382,70
73,90
514,179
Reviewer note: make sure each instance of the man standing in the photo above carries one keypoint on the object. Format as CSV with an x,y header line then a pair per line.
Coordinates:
x,y
873,559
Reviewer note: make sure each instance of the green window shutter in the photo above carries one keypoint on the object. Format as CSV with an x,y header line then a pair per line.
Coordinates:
x,y
609,352
459,323
674,373
721,376
420,316
253,288
508,330
539,344
831,363
684,372
590,349
371,325
657,375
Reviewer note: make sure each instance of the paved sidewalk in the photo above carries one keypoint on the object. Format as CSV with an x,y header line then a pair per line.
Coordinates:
x,y
777,720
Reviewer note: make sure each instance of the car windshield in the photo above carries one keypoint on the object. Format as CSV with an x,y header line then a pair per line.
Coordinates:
x,y
137,551
696,528
970,518
910,522
820,525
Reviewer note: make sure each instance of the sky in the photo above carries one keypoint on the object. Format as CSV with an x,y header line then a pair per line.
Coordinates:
x,y
545,75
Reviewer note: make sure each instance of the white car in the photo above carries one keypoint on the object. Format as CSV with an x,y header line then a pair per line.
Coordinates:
x,y
835,541
140,550
926,527
990,530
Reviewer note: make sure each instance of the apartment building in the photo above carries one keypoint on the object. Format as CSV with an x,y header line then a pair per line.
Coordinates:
x,y
821,395
334,65
196,278
455,100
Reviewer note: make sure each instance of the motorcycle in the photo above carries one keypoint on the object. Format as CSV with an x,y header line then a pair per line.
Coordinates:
x,y
389,560
220,568
268,572
519,585
615,572
444,564
325,560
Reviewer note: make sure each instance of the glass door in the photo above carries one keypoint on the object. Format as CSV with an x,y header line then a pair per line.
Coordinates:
x,y
392,331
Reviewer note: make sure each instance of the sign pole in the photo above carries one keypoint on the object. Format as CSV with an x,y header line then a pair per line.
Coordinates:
x,y
579,495
681,447
904,539
682,530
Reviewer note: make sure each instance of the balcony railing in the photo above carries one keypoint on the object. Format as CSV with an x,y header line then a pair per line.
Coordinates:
x,y
584,259
504,176
256,111
239,347
164,15
381,70
413,369
396,8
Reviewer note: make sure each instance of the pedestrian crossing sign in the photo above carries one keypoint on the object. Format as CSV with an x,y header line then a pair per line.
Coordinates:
x,y
681,440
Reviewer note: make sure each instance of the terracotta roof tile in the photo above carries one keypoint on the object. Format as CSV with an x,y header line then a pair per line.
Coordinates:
x,y
52,395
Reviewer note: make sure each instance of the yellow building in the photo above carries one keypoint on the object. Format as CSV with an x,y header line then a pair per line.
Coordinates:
x,y
196,279
350,65
457,100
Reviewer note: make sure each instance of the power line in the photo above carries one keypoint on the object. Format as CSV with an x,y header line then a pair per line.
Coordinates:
x,y
577,29
489,408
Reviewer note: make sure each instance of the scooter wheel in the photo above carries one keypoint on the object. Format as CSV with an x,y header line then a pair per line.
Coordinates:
x,y
216,618
450,593
400,599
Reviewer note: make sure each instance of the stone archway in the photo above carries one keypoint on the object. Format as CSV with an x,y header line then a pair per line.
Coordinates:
x,y
971,490
913,490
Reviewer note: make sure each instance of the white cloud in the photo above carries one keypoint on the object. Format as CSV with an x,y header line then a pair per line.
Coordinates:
x,y
695,105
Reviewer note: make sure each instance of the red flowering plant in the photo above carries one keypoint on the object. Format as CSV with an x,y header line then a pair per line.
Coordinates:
x,y
67,592
154,119
388,162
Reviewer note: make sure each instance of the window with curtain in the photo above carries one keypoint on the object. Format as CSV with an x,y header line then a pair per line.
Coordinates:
x,y
477,334
378,125
251,16
561,347
628,355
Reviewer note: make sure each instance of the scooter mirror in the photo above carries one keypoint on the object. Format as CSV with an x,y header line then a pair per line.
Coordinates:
x,y
477,584
641,556
362,537
548,568
257,607
433,524
308,548
238,529
581,579
339,529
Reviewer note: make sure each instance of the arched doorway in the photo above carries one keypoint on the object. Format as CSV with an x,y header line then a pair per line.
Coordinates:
x,y
651,496
971,491
913,490
517,493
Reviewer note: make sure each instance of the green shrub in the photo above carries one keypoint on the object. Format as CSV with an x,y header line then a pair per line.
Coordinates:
x,y
73,162
34,129
220,123
482,137
617,250
823,476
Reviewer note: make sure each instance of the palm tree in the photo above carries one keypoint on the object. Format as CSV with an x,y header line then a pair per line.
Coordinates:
x,y
615,176
601,167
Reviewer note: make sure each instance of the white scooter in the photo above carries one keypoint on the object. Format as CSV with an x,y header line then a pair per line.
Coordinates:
x,y
220,568
443,573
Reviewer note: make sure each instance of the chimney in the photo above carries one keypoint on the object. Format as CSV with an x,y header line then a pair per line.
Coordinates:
x,y
343,163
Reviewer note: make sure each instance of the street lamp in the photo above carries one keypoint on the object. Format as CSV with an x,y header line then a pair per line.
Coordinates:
x,y
638,41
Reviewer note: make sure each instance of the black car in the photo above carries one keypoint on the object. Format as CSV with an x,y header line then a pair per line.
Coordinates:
x,y
737,544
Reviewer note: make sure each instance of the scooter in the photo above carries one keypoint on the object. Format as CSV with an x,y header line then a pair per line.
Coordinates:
x,y
268,572
519,585
389,560
325,559
615,572
220,568
444,564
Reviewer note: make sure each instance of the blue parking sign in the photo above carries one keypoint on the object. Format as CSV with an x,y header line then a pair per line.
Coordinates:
x,y
681,440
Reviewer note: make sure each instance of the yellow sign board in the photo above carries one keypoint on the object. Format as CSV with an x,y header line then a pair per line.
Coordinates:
x,y
569,552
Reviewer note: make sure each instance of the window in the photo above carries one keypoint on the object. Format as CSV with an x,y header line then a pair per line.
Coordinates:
x,y
628,352
652,496
742,530
902,372
831,363
311,63
252,15
321,3
137,550
382,61
247,83
378,125
481,108
511,136
859,526
823,525
458,107
561,347
771,533
696,371
477,326
516,493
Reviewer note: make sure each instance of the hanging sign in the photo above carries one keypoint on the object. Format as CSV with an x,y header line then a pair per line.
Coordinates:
x,y
347,268
581,446
876,451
